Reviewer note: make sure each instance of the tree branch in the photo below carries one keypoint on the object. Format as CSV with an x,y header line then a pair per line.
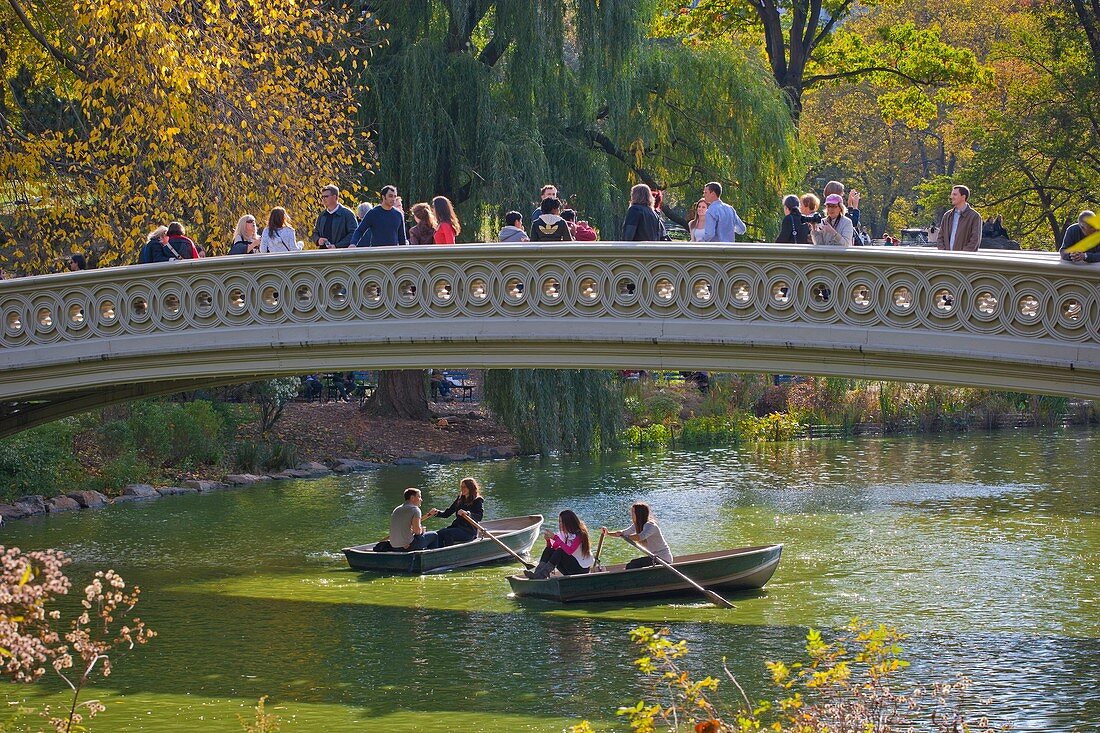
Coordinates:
x,y
493,50
598,140
858,72
69,62
828,27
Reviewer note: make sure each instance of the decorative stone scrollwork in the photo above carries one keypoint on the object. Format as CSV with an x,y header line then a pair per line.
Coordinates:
x,y
1029,299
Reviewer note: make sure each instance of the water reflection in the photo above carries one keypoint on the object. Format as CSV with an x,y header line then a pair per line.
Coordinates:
x,y
984,547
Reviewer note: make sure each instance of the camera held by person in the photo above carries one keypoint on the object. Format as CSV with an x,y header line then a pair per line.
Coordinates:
x,y
814,218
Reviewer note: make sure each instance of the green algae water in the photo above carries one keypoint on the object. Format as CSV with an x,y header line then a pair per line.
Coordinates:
x,y
984,548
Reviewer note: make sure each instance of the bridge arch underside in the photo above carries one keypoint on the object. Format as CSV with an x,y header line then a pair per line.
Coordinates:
x,y
70,378
74,341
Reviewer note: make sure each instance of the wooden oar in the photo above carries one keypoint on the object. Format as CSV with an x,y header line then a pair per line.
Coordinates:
x,y
714,597
496,539
599,546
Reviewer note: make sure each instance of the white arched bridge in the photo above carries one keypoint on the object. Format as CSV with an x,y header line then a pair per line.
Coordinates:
x,y
1018,321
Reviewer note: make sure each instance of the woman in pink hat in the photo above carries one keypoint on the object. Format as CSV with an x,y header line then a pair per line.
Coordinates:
x,y
836,228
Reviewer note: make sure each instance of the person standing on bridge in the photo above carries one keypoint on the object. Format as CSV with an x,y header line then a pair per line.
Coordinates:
x,y
179,245
278,235
335,224
449,226
641,223
384,225
961,226
1075,233
549,191
423,232
722,222
245,239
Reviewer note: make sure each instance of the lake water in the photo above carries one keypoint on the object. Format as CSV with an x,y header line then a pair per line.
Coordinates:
x,y
984,548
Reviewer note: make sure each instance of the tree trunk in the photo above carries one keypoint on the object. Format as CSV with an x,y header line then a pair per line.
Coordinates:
x,y
400,394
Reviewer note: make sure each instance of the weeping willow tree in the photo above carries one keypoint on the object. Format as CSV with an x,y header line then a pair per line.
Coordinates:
x,y
576,410
483,101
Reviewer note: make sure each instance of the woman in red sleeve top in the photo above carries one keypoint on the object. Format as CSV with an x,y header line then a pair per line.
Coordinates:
x,y
569,550
449,226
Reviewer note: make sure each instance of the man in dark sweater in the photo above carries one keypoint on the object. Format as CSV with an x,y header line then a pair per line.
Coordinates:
x,y
384,225
336,223
1075,233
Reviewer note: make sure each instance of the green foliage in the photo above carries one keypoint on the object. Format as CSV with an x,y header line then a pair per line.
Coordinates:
x,y
510,94
657,435
718,430
662,408
260,457
272,396
128,467
172,433
39,460
576,410
846,684
775,426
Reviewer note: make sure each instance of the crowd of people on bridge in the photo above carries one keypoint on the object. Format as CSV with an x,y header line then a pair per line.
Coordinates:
x,y
712,219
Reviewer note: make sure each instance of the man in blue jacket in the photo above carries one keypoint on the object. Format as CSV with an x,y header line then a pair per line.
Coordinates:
x,y
336,223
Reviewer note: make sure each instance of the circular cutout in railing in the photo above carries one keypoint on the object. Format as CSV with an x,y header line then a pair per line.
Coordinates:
x,y
986,303
781,292
139,306
172,304
1072,311
303,296
270,296
45,319
14,322
372,292
943,301
76,315
861,295
479,290
551,288
664,289
1028,307
514,289
204,301
701,291
443,291
338,294
107,312
626,289
406,290
903,298
821,293
590,291
742,293
236,299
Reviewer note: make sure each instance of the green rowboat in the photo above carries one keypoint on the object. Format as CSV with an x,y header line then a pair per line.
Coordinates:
x,y
744,568
518,533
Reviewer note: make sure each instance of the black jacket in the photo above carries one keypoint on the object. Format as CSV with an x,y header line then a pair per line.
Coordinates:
x,y
550,228
476,511
793,231
1074,234
642,225
343,226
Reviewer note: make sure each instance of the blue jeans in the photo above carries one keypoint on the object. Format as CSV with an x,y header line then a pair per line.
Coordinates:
x,y
426,541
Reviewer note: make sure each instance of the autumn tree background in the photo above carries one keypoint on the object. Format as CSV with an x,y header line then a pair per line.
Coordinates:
x,y
118,116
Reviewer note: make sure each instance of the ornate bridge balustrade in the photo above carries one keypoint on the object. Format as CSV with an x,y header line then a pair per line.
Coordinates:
x,y
1004,320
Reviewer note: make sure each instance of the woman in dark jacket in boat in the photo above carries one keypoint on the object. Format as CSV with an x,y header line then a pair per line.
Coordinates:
x,y
569,550
645,532
470,502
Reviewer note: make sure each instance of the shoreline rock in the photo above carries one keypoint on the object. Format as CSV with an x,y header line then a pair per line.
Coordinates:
x,y
36,504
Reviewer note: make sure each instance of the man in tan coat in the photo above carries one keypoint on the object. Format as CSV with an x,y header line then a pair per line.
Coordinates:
x,y
961,226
